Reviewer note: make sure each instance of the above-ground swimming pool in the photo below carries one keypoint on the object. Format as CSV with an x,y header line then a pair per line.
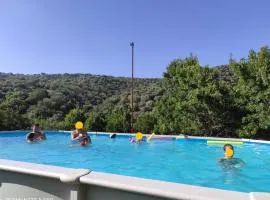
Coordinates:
x,y
186,161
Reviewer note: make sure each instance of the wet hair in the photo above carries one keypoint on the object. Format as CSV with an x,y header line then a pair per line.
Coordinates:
x,y
30,136
37,125
228,145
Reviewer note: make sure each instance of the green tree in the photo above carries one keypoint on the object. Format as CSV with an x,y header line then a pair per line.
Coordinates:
x,y
95,122
195,101
15,101
252,92
176,110
145,123
2,120
37,95
14,121
12,107
50,97
118,121
51,124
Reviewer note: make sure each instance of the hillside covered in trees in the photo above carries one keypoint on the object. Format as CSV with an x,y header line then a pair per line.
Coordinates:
x,y
230,100
52,99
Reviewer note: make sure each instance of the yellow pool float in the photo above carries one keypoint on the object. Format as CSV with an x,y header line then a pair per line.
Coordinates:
x,y
150,137
224,142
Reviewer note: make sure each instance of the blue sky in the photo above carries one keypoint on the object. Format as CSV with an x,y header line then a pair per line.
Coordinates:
x,y
93,36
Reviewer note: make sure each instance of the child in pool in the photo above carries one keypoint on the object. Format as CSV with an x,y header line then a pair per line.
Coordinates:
x,y
81,135
229,161
133,140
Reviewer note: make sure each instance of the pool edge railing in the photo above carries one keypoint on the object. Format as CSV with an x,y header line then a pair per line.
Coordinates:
x,y
22,180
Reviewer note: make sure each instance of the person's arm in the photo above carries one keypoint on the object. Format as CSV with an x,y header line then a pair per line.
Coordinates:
x,y
43,135
221,160
241,162
89,139
74,135
83,134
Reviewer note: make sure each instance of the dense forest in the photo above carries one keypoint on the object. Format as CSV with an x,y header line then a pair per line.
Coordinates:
x,y
56,101
230,100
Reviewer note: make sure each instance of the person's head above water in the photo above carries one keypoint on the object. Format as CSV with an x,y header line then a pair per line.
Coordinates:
x,y
79,125
139,137
30,137
228,151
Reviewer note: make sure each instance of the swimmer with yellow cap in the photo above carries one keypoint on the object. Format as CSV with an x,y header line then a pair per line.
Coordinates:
x,y
229,162
228,151
138,138
80,134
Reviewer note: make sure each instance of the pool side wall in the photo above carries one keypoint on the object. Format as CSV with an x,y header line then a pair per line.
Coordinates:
x,y
27,181
18,186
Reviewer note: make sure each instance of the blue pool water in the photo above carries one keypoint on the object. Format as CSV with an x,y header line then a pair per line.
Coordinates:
x,y
181,161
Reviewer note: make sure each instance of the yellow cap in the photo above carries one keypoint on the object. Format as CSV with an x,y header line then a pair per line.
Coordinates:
x,y
79,125
139,136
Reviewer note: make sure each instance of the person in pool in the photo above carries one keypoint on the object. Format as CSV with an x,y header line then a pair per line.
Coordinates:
x,y
39,134
36,135
229,161
80,134
30,137
138,138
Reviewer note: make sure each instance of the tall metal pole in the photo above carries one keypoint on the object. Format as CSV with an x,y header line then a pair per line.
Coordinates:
x,y
132,84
